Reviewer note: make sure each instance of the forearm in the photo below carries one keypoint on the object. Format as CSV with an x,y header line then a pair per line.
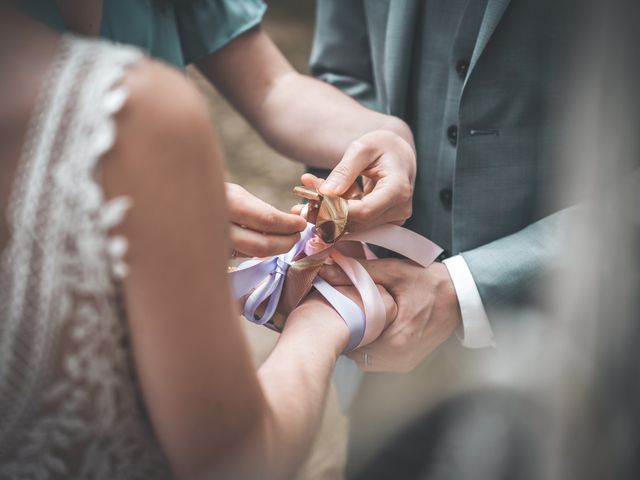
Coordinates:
x,y
295,379
301,117
300,107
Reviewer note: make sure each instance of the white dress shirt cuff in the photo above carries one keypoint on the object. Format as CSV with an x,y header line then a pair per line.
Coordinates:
x,y
476,329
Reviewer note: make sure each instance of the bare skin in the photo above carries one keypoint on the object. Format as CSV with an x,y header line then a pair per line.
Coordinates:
x,y
258,229
428,313
214,416
428,309
317,124
81,16
304,119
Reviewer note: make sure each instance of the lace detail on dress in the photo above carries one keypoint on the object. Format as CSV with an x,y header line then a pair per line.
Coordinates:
x,y
69,403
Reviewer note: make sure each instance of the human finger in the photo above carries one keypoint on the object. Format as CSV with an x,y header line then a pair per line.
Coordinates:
x,y
388,201
358,156
297,209
248,210
255,244
235,253
311,181
368,185
371,359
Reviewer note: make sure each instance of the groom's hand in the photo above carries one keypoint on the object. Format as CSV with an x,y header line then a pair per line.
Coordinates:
x,y
316,314
257,228
387,163
428,313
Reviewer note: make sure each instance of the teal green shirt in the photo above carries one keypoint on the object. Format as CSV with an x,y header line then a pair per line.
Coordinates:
x,y
179,31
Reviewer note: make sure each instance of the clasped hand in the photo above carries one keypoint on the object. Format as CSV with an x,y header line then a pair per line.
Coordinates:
x,y
427,313
422,307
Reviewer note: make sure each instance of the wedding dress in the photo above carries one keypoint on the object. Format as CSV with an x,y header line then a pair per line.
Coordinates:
x,y
70,406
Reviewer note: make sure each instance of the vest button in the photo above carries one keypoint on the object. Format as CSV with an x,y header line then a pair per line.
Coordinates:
x,y
446,197
452,135
462,68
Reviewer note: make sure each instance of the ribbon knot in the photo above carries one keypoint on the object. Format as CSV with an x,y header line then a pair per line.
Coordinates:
x,y
281,266
315,245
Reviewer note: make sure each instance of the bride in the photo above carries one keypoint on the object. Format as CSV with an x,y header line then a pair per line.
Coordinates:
x,y
121,353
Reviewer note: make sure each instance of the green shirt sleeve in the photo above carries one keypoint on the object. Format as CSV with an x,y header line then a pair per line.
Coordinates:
x,y
205,26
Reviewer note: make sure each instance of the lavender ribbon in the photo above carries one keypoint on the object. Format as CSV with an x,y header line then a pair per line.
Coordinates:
x,y
263,281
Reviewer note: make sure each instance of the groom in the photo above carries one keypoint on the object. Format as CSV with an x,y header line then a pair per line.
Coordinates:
x,y
477,81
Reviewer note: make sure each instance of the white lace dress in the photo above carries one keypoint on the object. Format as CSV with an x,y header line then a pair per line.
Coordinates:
x,y
70,406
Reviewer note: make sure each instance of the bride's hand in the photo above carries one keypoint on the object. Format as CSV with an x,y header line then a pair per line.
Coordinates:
x,y
258,229
387,163
316,317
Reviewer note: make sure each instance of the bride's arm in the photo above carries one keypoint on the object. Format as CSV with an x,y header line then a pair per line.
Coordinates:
x,y
214,416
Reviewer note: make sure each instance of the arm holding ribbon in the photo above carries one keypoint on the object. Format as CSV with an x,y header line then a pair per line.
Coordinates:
x,y
317,124
274,286
258,229
212,414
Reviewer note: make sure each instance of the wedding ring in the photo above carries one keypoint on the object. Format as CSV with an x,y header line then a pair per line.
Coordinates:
x,y
365,359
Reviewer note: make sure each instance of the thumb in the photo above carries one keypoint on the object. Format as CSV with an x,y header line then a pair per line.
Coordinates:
x,y
356,159
381,272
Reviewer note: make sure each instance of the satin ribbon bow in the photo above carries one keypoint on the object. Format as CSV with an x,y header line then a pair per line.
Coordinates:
x,y
282,281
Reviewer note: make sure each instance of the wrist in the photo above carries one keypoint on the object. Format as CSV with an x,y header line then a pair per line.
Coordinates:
x,y
446,292
400,128
316,320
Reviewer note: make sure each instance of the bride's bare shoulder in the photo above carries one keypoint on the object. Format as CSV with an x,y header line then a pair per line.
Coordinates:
x,y
159,90
163,106
164,131
165,120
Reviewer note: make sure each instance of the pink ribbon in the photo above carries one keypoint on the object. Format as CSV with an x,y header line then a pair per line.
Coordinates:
x,y
391,237
409,244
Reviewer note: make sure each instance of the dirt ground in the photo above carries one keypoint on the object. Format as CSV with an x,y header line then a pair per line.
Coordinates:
x,y
271,177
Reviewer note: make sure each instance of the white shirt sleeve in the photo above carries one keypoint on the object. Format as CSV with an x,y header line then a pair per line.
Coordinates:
x,y
476,329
